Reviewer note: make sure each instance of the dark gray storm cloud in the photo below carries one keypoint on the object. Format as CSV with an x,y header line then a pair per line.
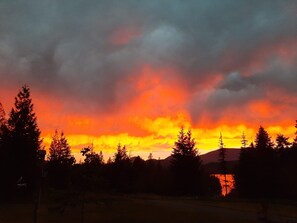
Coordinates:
x,y
65,48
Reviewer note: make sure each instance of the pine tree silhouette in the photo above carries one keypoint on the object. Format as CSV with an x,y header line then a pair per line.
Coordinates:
x,y
255,175
59,150
263,140
60,161
222,159
25,138
282,142
243,141
92,158
120,177
186,165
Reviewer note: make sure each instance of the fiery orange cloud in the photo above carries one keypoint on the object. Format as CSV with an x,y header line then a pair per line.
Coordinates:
x,y
152,68
261,108
149,121
151,117
158,92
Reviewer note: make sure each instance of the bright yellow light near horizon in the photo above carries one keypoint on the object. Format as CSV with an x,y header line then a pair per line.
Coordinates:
x,y
163,126
108,144
162,133
208,138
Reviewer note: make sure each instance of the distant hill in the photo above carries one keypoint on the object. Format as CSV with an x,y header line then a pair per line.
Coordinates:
x,y
213,156
210,159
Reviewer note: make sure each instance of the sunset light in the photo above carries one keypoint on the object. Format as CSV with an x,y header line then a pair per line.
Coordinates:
x,y
150,107
148,111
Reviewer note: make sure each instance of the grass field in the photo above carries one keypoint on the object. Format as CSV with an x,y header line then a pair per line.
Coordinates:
x,y
142,209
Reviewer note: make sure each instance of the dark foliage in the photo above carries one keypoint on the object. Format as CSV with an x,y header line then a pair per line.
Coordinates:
x,y
257,167
282,142
59,162
90,175
263,140
264,170
120,170
267,170
20,143
23,169
186,166
92,159
8,185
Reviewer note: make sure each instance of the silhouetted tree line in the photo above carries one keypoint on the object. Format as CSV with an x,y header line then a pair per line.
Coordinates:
x,y
264,170
124,174
24,170
268,170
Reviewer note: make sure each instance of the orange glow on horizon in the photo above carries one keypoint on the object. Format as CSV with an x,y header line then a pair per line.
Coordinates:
x,y
163,134
149,120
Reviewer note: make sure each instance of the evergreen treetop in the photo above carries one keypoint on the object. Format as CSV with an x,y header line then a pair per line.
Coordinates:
x,y
121,154
59,150
185,145
186,165
243,141
22,140
263,140
22,121
282,142
294,145
92,158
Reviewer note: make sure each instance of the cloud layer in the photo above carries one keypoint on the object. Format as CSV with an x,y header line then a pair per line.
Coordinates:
x,y
205,59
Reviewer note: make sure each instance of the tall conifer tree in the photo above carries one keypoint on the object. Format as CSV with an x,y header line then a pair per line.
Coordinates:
x,y
255,176
59,151
25,138
222,159
263,140
186,165
60,161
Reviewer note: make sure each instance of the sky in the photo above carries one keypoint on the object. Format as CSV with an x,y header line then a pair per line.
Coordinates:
x,y
134,72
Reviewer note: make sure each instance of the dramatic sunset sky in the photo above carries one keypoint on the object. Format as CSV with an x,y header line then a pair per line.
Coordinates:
x,y
133,72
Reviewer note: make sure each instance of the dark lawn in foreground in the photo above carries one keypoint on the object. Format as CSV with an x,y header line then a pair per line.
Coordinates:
x,y
150,209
